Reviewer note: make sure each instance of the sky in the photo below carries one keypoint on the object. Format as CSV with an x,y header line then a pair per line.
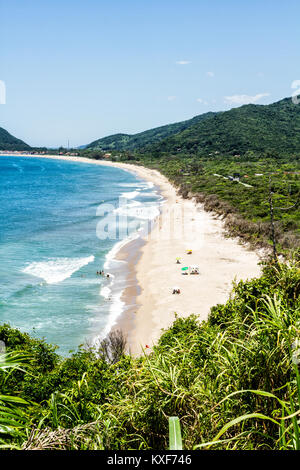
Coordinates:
x,y
78,70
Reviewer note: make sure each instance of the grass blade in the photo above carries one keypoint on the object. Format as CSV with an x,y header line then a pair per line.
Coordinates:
x,y
175,441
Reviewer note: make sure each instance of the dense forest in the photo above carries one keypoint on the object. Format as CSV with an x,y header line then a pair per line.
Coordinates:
x,y
271,130
146,138
9,142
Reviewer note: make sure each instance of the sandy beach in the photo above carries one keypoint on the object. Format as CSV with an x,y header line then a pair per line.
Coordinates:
x,y
183,225
153,270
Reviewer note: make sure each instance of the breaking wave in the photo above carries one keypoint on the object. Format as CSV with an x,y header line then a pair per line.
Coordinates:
x,y
57,270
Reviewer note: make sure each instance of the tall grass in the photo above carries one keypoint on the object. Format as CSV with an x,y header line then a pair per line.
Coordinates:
x,y
233,381
13,418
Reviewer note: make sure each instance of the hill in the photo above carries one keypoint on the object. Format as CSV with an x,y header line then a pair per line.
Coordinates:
x,y
9,142
267,129
144,139
111,142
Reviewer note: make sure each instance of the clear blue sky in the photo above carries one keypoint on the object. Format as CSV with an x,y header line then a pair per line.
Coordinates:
x,y
84,69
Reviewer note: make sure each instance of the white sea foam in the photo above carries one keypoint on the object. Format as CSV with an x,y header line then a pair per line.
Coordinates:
x,y
111,255
136,210
139,211
115,310
58,269
131,195
108,292
152,194
105,292
134,185
142,185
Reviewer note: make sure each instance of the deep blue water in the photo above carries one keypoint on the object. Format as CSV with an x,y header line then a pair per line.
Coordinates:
x,y
50,251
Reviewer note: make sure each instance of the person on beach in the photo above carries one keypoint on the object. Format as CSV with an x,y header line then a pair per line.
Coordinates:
x,y
176,290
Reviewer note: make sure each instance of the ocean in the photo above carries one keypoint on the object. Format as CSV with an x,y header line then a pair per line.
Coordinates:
x,y
61,222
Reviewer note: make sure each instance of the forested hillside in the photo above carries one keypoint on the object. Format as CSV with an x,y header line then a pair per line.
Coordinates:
x,y
268,130
9,142
146,138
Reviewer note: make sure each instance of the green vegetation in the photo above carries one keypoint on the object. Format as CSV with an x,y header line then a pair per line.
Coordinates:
x,y
112,142
269,130
145,139
260,145
243,202
232,381
175,440
9,142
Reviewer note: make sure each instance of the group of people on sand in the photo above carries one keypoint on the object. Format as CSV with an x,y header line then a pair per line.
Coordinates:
x,y
176,290
102,273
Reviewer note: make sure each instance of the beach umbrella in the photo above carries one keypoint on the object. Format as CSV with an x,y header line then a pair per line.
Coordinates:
x,y
185,268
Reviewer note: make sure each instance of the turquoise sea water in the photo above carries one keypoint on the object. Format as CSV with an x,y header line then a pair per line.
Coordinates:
x,y
50,215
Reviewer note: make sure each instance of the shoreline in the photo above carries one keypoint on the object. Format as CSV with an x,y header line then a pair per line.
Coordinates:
x,y
183,224
221,260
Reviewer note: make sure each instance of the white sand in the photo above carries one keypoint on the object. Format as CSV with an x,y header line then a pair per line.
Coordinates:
x,y
220,259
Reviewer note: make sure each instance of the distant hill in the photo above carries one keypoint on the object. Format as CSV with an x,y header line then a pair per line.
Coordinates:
x,y
9,142
112,142
268,129
145,138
